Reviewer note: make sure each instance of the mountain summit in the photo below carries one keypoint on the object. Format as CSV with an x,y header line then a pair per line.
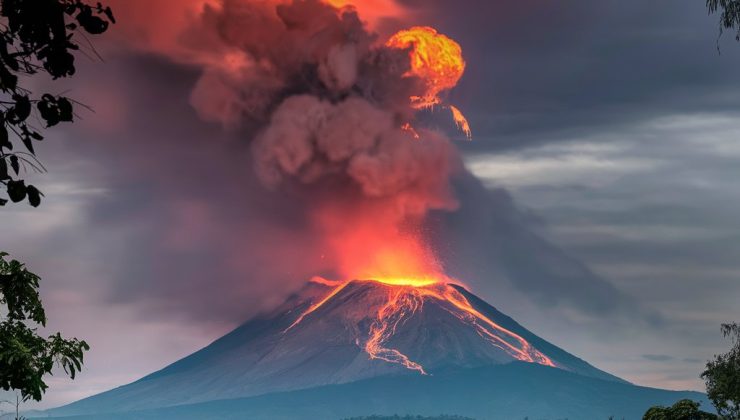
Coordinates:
x,y
348,333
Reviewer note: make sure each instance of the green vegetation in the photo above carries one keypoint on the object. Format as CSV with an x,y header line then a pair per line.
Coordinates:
x,y
722,376
37,36
729,18
682,410
25,356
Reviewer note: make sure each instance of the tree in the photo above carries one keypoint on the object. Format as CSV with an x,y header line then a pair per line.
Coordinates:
x,y
16,413
722,376
37,36
25,356
729,18
682,410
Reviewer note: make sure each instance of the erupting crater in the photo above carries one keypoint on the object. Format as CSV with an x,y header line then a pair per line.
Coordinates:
x,y
398,300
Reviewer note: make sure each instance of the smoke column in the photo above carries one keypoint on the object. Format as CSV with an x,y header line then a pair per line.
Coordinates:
x,y
327,108
287,143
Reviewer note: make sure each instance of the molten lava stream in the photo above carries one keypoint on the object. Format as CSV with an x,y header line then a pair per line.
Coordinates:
x,y
400,306
405,298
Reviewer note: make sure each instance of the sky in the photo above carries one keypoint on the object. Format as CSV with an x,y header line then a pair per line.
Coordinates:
x,y
605,135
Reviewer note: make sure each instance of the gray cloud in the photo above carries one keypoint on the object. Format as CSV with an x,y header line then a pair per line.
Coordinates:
x,y
543,72
658,357
663,231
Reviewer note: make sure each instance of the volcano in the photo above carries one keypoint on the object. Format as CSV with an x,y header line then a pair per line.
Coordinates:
x,y
365,347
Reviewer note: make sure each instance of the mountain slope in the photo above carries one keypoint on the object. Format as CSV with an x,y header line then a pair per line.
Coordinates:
x,y
342,333
512,391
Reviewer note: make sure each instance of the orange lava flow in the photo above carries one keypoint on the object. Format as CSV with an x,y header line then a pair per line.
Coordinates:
x,y
400,306
406,297
407,127
316,306
461,122
437,60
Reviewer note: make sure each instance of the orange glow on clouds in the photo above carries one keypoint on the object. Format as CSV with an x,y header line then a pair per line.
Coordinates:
x,y
375,249
372,11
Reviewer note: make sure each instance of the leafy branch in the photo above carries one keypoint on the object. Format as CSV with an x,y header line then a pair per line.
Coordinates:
x,y
25,356
37,36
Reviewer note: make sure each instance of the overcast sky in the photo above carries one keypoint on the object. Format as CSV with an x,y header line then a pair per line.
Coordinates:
x,y
614,125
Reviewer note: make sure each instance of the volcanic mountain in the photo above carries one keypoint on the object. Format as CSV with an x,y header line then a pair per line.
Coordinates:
x,y
334,337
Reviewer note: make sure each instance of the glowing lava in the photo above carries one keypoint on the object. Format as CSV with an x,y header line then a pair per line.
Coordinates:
x,y
437,60
405,297
461,122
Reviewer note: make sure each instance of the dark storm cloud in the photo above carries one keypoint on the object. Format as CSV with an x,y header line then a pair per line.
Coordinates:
x,y
544,71
489,234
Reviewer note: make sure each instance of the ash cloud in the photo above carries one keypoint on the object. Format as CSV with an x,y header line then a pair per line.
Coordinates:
x,y
219,222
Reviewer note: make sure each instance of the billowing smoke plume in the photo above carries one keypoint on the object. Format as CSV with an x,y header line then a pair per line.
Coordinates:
x,y
317,172
328,101
324,104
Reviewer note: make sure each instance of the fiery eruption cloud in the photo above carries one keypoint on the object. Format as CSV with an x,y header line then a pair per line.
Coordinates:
x,y
438,61
435,58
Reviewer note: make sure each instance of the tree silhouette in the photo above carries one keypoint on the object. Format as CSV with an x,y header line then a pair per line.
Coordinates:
x,y
25,357
729,18
682,410
37,36
722,376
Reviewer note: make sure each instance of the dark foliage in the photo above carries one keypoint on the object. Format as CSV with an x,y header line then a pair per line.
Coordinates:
x,y
722,376
25,356
37,36
729,18
682,410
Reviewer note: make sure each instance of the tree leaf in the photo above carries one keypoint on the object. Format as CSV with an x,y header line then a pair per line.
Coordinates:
x,y
22,107
27,142
16,191
109,13
65,109
3,169
48,109
14,164
91,23
34,195
4,139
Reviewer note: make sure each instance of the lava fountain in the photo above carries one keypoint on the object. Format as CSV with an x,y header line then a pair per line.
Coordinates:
x,y
437,60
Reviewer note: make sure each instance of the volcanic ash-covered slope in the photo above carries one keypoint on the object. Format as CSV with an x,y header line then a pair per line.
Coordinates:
x,y
339,333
